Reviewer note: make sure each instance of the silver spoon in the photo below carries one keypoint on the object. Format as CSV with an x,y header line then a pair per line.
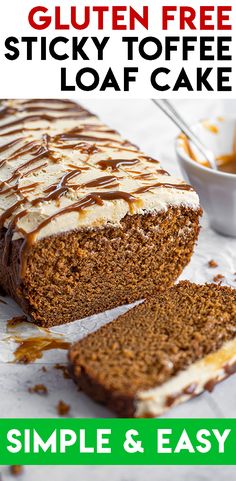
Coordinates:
x,y
172,113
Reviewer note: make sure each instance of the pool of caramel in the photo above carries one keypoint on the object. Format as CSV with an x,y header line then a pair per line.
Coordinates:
x,y
225,163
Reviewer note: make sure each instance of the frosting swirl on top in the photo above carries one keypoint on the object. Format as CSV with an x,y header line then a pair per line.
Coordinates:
x,y
61,169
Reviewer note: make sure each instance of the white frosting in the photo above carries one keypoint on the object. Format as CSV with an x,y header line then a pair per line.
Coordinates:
x,y
154,402
126,177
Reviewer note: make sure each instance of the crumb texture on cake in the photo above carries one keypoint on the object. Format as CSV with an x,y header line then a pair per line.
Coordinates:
x,y
87,221
169,348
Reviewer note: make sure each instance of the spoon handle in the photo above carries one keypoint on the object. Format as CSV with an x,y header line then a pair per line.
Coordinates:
x,y
174,115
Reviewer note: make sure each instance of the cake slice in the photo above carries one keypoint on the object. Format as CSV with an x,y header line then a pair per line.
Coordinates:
x,y
87,221
162,352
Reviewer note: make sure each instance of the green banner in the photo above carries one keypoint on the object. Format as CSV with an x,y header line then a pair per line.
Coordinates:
x,y
118,441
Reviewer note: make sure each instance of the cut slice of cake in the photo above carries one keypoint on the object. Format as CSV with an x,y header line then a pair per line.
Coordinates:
x,y
87,221
162,352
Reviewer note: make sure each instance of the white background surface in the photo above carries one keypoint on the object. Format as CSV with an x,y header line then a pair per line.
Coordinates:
x,y
142,123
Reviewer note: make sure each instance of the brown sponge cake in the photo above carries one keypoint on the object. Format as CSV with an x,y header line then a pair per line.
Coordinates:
x,y
162,352
87,221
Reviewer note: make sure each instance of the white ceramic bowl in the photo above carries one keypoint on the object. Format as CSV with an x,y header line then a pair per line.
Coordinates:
x,y
217,190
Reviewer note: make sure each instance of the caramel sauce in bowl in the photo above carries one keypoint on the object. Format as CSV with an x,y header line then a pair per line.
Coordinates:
x,y
216,189
227,163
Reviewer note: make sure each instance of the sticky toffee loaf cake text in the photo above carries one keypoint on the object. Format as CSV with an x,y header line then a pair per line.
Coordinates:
x,y
87,221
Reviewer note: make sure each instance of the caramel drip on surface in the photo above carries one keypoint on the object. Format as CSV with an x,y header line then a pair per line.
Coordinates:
x,y
15,321
146,188
32,348
114,164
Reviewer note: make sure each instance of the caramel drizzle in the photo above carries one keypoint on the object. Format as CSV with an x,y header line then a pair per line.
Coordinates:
x,y
47,118
19,190
101,182
37,150
18,131
114,164
98,182
146,188
58,190
33,148
6,111
85,202
38,167
77,135
149,174
29,148
26,188
54,193
8,212
28,108
9,145
16,174
40,108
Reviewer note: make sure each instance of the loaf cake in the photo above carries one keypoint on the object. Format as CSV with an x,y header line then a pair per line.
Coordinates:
x,y
162,352
87,221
